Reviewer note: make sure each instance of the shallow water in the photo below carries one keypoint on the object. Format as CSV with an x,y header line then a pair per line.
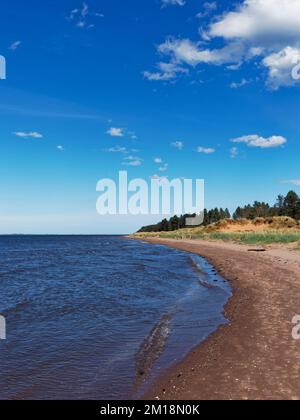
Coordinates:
x,y
97,317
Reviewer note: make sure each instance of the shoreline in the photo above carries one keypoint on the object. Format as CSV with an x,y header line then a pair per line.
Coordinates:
x,y
254,356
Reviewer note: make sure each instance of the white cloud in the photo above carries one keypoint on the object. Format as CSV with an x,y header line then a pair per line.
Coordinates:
x,y
207,8
115,132
266,32
261,142
173,2
238,85
15,45
164,167
31,134
179,145
133,161
81,24
60,148
81,17
268,28
261,21
295,182
206,150
280,66
187,52
84,10
116,149
165,72
234,151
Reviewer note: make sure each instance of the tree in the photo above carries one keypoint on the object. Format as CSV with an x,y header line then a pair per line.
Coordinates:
x,y
288,205
279,206
291,204
164,225
238,214
174,223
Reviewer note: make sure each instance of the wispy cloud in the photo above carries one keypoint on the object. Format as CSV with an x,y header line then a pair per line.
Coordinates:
x,y
15,45
133,161
295,182
206,150
82,16
234,151
238,85
60,148
165,72
179,145
51,112
30,134
172,3
116,149
132,135
164,167
255,140
184,52
208,7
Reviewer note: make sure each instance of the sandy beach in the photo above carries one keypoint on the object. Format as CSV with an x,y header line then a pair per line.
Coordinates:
x,y
254,356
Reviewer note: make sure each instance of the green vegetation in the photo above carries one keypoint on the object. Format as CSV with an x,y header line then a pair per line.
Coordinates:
x,y
285,206
257,224
175,223
249,238
252,238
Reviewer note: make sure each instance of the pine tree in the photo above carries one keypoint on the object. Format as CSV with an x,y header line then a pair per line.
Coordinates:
x,y
291,203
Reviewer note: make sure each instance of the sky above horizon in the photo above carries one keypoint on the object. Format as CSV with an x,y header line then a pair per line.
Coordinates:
x,y
165,88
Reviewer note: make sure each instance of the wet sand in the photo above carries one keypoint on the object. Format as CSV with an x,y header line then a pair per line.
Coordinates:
x,y
255,356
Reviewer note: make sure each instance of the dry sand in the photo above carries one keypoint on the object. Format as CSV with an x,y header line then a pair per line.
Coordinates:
x,y
255,356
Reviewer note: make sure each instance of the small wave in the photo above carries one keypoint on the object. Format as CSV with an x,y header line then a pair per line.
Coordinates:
x,y
196,266
152,347
203,274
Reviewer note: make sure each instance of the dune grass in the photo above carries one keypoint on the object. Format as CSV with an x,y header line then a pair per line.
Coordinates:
x,y
261,231
257,238
248,238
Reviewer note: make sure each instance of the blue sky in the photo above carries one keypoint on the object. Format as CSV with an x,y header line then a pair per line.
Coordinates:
x,y
97,87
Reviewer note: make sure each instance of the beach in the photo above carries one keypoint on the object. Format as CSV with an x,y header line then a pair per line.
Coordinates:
x,y
254,357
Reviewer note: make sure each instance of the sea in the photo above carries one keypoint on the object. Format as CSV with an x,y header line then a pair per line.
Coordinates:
x,y
99,317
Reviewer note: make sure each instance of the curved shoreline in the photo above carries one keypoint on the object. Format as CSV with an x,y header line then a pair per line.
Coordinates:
x,y
254,356
166,340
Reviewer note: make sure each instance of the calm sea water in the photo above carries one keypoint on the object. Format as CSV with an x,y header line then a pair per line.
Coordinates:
x,y
94,317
